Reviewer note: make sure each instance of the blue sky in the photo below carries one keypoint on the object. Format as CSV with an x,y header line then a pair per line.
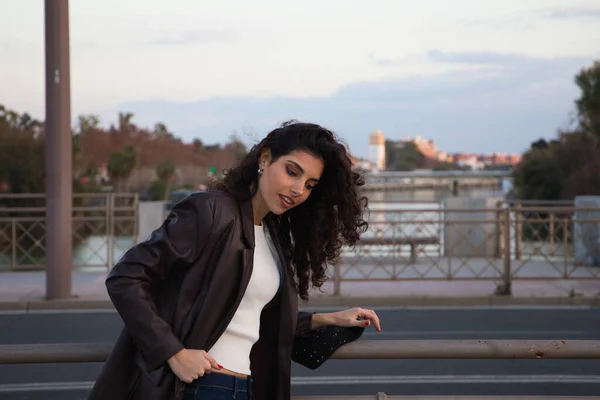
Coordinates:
x,y
473,75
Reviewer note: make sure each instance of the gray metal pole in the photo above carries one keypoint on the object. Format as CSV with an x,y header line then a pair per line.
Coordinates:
x,y
58,151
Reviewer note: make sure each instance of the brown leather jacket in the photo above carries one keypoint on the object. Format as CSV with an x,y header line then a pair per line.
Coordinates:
x,y
180,288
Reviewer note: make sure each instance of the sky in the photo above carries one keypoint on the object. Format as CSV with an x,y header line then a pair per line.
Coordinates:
x,y
473,75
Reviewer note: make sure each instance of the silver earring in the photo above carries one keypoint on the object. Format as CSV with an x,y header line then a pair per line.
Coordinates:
x,y
260,171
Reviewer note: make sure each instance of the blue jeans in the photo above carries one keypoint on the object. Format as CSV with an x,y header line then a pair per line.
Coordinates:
x,y
216,386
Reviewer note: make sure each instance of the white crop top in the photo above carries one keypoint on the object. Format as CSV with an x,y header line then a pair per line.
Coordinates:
x,y
232,350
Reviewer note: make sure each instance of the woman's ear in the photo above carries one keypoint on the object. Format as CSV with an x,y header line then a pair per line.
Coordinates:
x,y
265,157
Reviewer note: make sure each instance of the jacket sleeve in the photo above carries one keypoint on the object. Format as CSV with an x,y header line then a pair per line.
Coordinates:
x,y
312,347
177,243
304,323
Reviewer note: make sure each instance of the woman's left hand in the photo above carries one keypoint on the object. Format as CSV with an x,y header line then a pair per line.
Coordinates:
x,y
355,317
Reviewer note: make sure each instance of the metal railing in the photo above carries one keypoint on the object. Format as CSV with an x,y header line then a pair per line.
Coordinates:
x,y
104,225
358,350
502,243
412,180
441,174
417,183
362,349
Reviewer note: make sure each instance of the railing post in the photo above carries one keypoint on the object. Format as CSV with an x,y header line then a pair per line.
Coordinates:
x,y
14,242
507,266
107,221
518,232
565,246
552,232
337,276
110,242
504,289
499,225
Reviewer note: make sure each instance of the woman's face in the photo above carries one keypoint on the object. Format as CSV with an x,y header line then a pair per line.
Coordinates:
x,y
288,181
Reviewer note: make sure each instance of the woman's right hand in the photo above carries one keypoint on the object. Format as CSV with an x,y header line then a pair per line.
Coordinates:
x,y
188,365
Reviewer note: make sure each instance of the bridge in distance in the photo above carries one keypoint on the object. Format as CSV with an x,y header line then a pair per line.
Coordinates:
x,y
428,179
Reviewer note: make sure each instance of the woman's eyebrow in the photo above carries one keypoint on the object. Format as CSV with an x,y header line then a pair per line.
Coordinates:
x,y
301,170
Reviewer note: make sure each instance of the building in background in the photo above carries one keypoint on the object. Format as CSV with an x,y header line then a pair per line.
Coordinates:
x,y
376,159
427,147
377,150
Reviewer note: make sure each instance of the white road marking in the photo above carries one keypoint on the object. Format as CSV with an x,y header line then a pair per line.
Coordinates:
x,y
330,308
352,380
457,308
478,333
442,379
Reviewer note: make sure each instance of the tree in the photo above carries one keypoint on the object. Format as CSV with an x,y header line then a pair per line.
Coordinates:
x,y
567,166
87,123
540,144
81,160
160,188
11,120
446,166
161,132
165,170
125,147
588,104
125,124
22,156
404,156
560,169
213,147
579,161
198,145
121,164
237,147
538,176
22,167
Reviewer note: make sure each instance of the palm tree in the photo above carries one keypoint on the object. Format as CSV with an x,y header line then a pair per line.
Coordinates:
x,y
121,164
125,124
165,170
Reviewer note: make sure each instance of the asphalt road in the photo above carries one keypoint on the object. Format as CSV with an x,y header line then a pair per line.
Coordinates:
x,y
345,377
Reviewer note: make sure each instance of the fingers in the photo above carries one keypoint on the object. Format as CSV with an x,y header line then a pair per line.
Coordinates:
x,y
197,365
213,363
363,323
190,377
187,378
370,315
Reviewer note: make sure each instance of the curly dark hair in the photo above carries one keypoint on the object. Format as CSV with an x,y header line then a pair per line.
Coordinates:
x,y
311,234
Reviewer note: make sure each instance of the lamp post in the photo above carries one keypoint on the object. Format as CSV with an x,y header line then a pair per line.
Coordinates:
x,y
58,151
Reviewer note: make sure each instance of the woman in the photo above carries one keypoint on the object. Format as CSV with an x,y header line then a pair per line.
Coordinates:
x,y
209,301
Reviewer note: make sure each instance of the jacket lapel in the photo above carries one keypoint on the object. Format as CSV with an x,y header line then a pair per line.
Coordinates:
x,y
247,216
287,286
277,256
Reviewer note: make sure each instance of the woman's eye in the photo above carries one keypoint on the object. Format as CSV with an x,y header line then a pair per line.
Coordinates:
x,y
310,187
290,171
